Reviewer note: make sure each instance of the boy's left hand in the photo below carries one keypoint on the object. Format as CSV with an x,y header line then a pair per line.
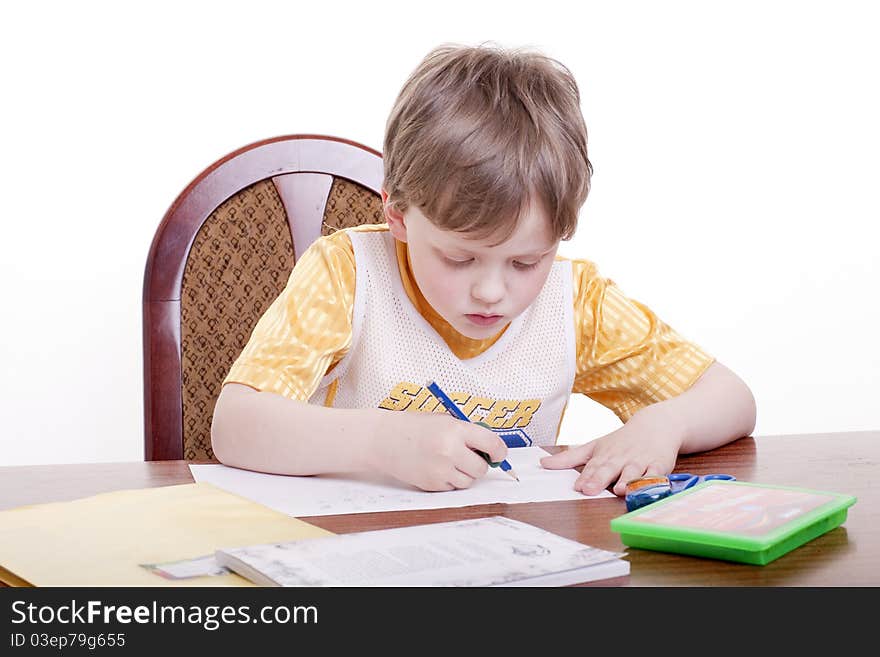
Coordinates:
x,y
645,445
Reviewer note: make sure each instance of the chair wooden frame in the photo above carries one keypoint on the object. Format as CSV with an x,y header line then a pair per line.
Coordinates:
x,y
303,196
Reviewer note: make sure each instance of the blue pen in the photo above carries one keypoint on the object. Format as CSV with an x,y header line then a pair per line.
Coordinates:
x,y
453,408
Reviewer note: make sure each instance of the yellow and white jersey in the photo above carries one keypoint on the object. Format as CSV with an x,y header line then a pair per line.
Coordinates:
x,y
624,356
520,382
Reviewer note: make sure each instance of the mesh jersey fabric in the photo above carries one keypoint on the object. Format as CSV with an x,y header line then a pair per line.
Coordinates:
x,y
625,356
519,384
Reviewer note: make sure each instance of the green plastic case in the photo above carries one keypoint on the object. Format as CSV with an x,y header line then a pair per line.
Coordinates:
x,y
734,521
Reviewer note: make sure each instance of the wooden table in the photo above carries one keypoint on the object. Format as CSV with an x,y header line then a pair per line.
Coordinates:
x,y
840,462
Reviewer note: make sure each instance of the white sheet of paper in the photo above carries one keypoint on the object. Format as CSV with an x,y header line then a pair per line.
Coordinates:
x,y
327,495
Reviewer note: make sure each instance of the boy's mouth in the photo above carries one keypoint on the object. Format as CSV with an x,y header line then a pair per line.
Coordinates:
x,y
483,320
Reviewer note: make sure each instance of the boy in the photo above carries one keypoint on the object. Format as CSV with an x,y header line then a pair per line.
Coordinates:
x,y
486,168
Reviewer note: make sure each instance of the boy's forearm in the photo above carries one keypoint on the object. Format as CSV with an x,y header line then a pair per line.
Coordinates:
x,y
717,409
268,433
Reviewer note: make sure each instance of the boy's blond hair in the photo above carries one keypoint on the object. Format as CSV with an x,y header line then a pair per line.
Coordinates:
x,y
476,132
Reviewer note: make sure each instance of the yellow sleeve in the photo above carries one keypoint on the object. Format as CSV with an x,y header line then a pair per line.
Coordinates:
x,y
627,358
307,329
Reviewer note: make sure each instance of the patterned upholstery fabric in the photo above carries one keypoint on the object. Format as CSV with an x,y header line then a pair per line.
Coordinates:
x,y
349,204
240,261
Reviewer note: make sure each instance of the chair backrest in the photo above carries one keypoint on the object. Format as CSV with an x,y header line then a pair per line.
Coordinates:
x,y
223,252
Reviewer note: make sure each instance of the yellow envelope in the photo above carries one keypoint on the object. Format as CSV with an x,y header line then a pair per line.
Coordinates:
x,y
103,539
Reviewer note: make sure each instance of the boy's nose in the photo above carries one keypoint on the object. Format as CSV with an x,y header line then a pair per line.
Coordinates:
x,y
488,289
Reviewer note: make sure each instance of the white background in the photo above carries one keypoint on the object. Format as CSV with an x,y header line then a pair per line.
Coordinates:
x,y
736,151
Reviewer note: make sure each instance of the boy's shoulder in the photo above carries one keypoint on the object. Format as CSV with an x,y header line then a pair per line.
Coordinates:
x,y
341,236
339,240
580,267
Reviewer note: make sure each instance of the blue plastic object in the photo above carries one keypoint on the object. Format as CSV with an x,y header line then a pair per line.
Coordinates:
x,y
683,480
646,490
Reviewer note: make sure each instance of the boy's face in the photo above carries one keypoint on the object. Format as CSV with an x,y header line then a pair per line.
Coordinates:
x,y
477,286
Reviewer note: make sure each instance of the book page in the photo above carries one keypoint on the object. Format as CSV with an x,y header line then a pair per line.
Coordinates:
x,y
476,552
325,495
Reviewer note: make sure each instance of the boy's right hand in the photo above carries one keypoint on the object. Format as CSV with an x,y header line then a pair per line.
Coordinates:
x,y
432,451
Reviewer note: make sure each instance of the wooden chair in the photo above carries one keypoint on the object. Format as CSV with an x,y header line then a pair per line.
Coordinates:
x,y
223,252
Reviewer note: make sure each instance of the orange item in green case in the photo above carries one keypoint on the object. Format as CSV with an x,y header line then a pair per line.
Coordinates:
x,y
734,521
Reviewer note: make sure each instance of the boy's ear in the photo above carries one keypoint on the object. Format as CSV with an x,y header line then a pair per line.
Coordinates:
x,y
396,220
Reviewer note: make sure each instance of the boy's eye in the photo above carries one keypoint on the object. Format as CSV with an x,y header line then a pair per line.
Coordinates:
x,y
458,263
524,265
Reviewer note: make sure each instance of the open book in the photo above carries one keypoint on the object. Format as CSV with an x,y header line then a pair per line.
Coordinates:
x,y
493,551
